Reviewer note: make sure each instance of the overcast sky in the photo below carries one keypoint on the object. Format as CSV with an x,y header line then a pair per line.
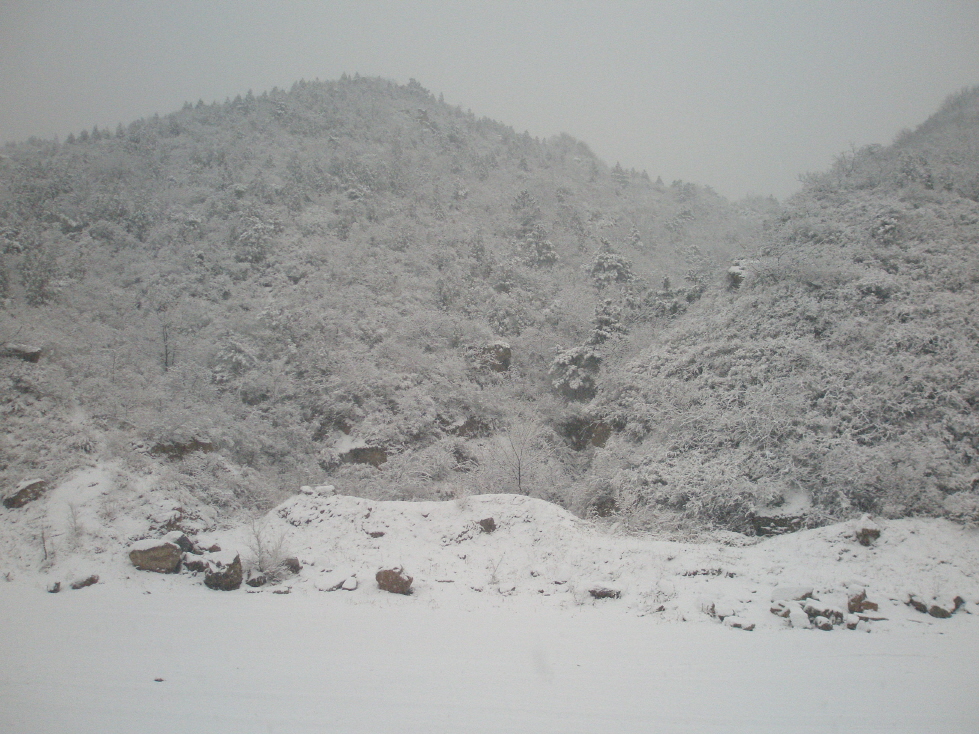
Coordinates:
x,y
740,96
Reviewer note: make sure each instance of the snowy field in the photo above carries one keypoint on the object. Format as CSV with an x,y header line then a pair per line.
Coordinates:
x,y
502,632
88,662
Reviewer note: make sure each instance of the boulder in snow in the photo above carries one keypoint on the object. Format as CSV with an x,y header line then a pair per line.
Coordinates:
x,y
27,491
88,581
945,608
738,623
157,555
487,525
292,565
350,584
866,531
822,623
394,580
815,608
54,588
195,563
223,574
858,602
181,541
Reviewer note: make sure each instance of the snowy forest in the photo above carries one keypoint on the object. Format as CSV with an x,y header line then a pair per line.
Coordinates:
x,y
353,283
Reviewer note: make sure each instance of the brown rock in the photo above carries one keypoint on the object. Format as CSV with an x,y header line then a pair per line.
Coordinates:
x,y
159,556
54,588
858,603
257,580
867,531
181,541
82,583
223,576
27,491
292,565
944,610
195,563
394,580
822,623
916,603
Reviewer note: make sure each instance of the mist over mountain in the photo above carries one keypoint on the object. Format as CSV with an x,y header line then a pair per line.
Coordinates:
x,y
354,283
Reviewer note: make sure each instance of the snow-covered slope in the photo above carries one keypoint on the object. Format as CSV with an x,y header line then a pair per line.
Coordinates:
x,y
503,551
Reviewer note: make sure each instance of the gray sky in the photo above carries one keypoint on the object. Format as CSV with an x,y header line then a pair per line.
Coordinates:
x,y
740,96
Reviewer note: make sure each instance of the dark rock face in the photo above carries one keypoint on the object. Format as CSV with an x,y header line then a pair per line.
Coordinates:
x,y
27,491
54,588
159,556
581,432
487,525
223,577
292,565
26,352
178,450
769,525
258,580
394,580
373,455
605,506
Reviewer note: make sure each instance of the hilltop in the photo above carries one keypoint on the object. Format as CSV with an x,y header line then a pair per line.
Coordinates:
x,y
348,281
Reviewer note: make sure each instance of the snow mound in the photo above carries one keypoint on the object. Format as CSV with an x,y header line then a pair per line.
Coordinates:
x,y
508,551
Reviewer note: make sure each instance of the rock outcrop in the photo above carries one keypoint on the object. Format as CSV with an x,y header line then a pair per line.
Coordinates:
x,y
27,491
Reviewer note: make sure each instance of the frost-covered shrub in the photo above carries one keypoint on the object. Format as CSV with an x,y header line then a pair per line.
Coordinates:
x,y
609,267
574,372
38,271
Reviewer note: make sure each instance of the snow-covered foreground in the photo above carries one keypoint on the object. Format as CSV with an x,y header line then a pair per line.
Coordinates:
x,y
88,662
502,632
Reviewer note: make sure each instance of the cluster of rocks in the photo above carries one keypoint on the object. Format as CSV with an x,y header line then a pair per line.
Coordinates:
x,y
728,617
175,551
802,609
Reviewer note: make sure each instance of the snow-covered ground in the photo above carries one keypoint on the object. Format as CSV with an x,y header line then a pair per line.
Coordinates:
x,y
501,634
